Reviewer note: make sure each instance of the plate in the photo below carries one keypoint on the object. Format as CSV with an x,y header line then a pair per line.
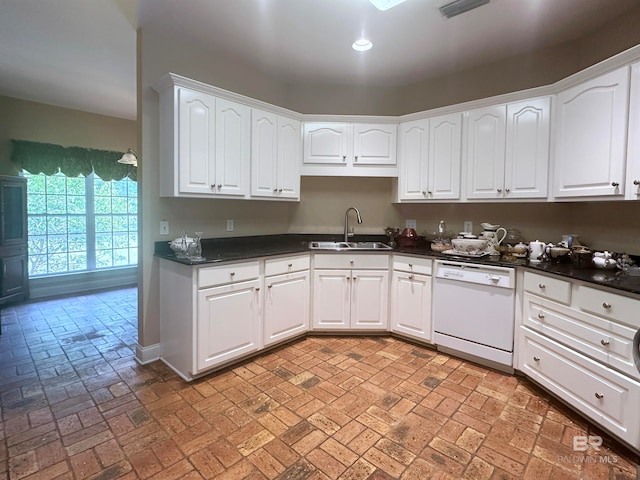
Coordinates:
x,y
463,254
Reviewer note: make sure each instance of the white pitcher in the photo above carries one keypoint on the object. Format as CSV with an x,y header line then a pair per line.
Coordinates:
x,y
495,238
536,251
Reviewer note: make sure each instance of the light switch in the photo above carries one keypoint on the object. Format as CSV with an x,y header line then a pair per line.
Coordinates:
x,y
229,225
164,227
410,224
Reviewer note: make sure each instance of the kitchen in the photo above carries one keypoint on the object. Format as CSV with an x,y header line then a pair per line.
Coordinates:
x,y
325,198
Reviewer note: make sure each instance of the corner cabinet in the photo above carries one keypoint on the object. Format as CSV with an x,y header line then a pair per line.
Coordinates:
x,y
14,261
507,150
204,144
429,159
591,137
275,156
349,149
632,191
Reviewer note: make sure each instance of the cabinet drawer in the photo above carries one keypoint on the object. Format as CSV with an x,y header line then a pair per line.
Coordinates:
x,y
278,266
607,397
608,342
606,304
409,264
237,272
548,287
349,260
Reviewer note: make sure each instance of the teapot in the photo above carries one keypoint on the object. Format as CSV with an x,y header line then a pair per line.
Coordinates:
x,y
494,234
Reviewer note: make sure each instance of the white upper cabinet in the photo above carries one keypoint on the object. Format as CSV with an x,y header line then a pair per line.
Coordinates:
x,y
204,145
354,149
633,151
507,150
275,156
485,152
429,158
526,169
591,137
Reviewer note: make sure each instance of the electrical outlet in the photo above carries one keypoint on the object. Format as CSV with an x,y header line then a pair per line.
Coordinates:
x,y
410,224
229,225
164,227
468,226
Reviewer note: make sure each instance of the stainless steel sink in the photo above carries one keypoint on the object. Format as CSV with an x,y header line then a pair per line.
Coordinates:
x,y
344,246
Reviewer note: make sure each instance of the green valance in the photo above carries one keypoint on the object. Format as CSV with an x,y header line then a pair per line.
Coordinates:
x,y
35,158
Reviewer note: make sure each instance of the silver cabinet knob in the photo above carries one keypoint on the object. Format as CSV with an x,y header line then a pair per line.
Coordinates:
x,y
615,184
269,286
507,190
499,190
219,185
356,158
257,289
279,190
424,192
536,359
636,182
542,286
599,395
604,342
606,305
541,316
344,158
429,192
411,276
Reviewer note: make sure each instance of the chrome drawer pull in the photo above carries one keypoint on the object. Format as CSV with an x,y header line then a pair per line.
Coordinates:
x,y
542,286
599,396
604,342
541,316
606,305
536,359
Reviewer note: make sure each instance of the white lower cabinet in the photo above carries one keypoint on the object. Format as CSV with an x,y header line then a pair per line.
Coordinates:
x,y
286,299
411,297
351,292
228,323
577,340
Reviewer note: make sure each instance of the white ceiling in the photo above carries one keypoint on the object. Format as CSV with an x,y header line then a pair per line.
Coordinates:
x,y
81,53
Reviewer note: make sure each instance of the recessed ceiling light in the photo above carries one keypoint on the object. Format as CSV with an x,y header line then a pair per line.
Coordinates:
x,y
385,4
362,45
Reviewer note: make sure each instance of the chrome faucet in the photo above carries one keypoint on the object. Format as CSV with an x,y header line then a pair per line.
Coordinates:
x,y
346,221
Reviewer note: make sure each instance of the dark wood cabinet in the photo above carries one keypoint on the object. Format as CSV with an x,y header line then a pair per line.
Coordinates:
x,y
14,260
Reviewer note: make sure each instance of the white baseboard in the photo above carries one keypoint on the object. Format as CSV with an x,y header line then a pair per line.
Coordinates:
x,y
148,354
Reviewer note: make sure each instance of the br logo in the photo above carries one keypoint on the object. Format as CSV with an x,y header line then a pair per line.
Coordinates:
x,y
582,443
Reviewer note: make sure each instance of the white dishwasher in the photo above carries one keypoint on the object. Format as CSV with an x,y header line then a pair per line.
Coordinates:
x,y
474,312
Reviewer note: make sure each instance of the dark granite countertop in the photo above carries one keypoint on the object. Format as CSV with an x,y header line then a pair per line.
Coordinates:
x,y
216,250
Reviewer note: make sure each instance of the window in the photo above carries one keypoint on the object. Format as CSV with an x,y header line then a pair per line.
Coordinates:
x,y
78,224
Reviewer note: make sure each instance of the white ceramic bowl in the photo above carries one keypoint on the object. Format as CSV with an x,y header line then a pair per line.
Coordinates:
x,y
469,246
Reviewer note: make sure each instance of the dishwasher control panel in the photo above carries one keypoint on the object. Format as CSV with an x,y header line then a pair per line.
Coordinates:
x,y
475,273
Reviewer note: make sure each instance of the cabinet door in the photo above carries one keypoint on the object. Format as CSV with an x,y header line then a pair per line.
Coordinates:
x,y
527,157
326,143
289,152
413,161
264,153
369,299
15,276
13,212
633,151
445,144
196,150
232,148
228,323
286,306
374,144
411,305
331,299
485,152
591,121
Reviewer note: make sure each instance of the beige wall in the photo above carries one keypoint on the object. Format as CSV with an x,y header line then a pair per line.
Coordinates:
x,y
23,120
324,199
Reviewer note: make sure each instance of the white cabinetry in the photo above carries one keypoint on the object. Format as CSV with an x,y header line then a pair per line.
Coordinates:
x,y
633,151
209,316
357,149
507,150
205,144
275,156
429,158
411,297
577,340
591,137
350,291
286,298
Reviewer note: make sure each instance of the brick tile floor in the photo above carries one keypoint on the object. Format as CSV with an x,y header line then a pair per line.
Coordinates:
x,y
75,405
